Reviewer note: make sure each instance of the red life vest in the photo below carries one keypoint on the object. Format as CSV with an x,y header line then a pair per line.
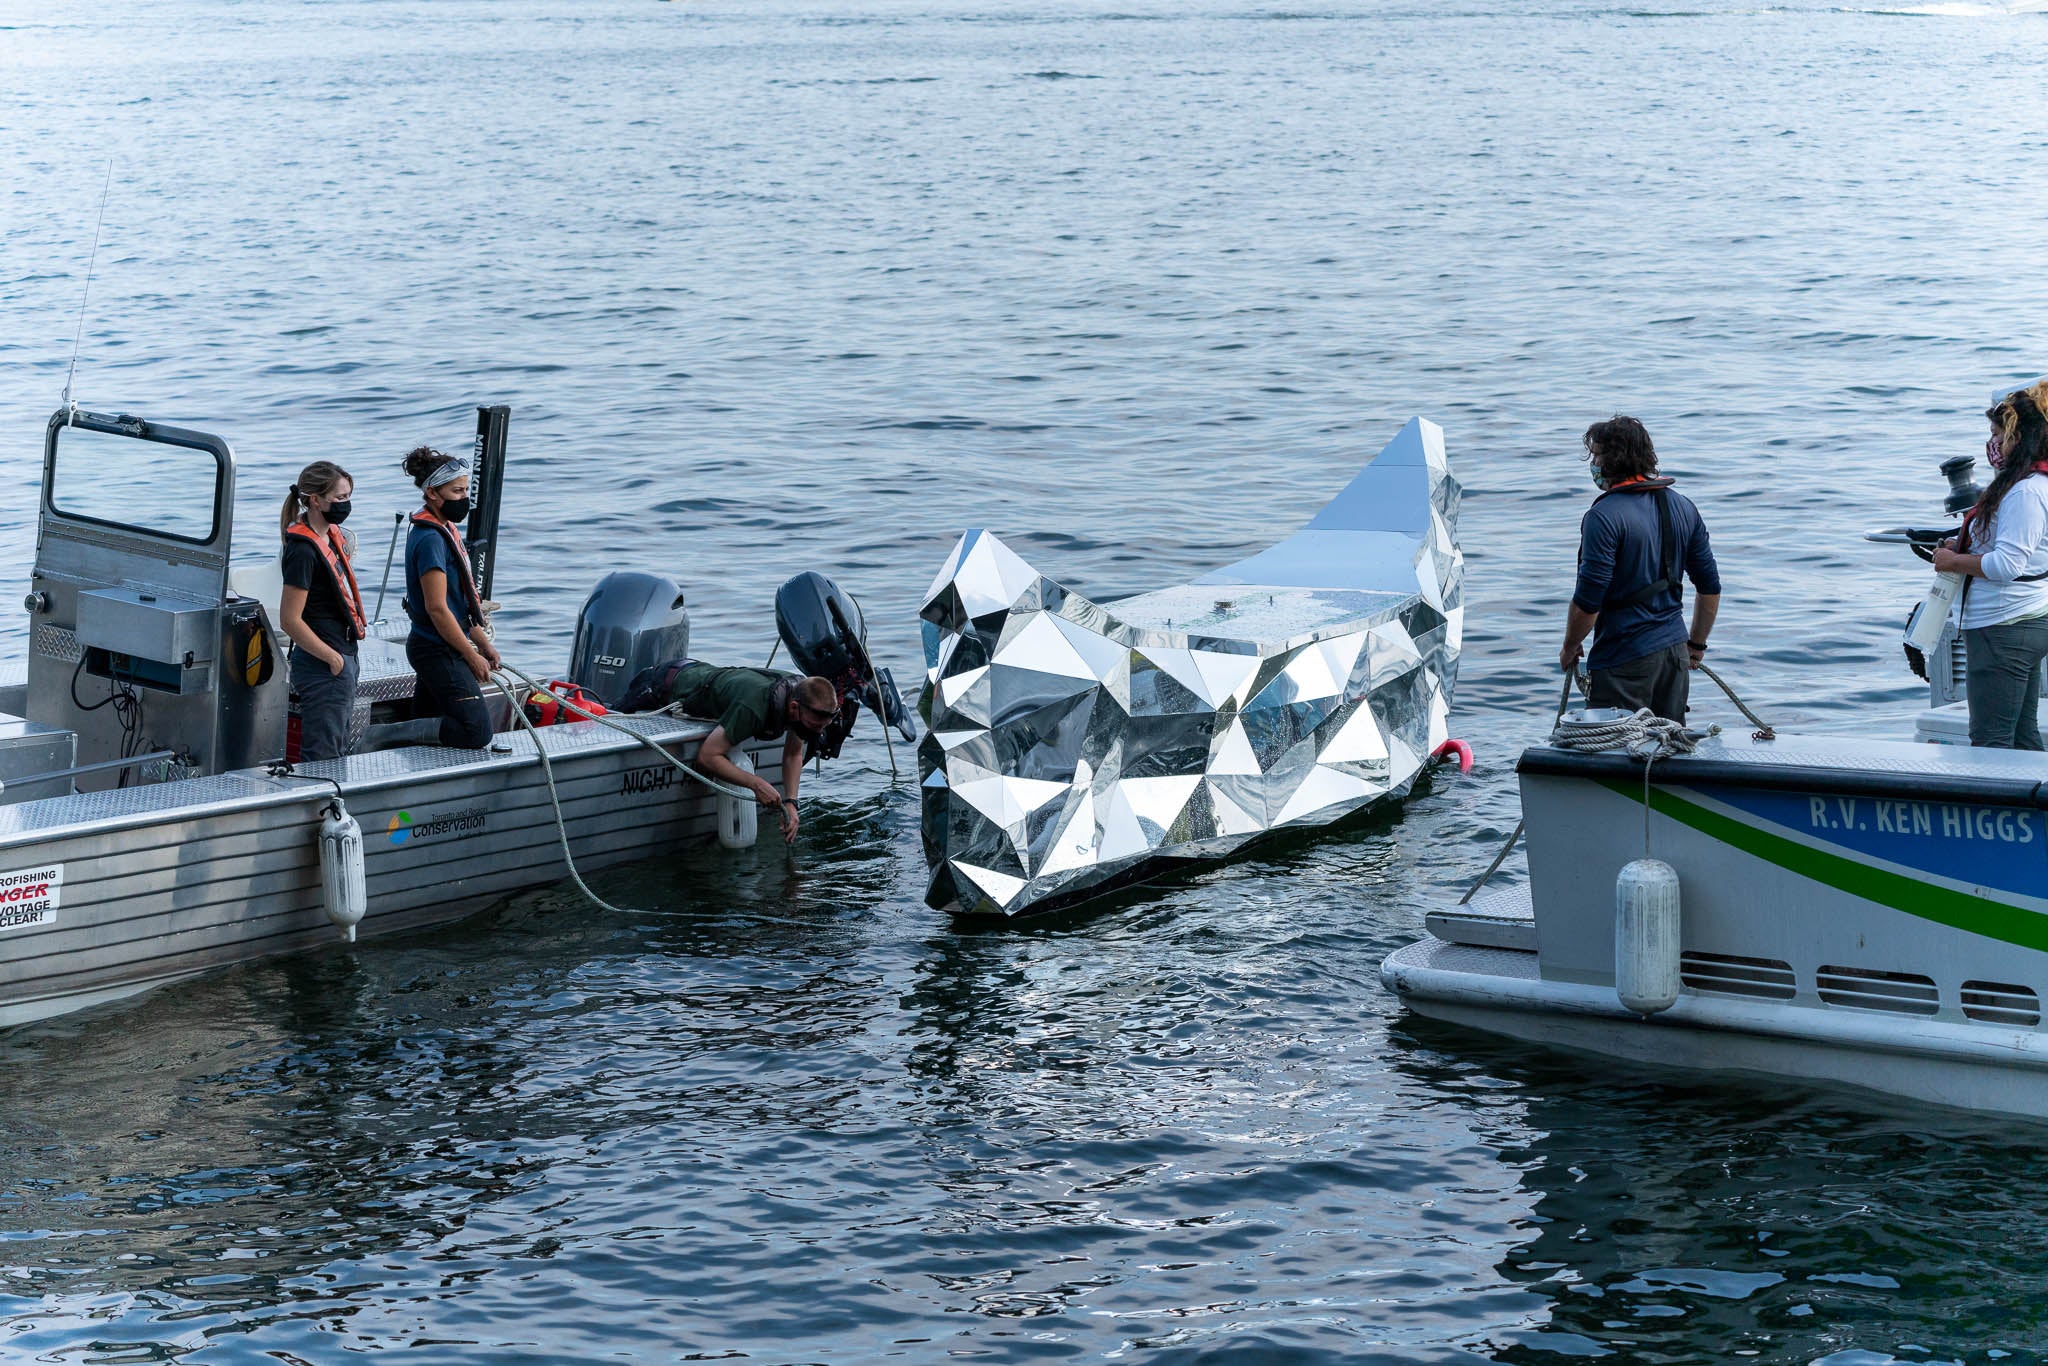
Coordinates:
x,y
469,593
334,553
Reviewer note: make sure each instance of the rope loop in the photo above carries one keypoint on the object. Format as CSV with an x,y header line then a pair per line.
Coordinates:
x,y
1642,735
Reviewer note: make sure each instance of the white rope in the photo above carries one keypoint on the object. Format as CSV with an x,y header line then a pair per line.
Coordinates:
x,y
723,789
1643,735
562,823
70,408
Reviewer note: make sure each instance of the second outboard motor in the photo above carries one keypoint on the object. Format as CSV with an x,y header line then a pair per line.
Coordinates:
x,y
630,622
822,628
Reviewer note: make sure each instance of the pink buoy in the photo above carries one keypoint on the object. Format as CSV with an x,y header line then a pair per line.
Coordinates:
x,y
1460,749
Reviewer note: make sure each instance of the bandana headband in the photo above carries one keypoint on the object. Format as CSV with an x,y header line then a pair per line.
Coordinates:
x,y
446,473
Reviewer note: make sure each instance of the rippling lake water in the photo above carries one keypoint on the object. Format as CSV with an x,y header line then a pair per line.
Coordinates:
x,y
783,286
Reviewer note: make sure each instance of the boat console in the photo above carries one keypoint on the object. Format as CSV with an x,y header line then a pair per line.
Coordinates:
x,y
137,646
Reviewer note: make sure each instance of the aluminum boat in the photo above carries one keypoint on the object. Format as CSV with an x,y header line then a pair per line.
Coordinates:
x,y
1074,747
147,831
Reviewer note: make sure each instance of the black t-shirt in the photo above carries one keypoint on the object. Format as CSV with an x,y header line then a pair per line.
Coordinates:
x,y
326,610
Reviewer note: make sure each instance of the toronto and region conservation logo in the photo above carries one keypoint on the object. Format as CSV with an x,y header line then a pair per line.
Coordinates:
x,y
404,828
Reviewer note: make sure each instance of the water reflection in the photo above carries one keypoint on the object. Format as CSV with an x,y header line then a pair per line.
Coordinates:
x,y
1682,1218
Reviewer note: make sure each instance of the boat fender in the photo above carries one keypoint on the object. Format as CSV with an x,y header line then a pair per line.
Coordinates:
x,y
1646,936
343,886
739,821
1457,749
1923,629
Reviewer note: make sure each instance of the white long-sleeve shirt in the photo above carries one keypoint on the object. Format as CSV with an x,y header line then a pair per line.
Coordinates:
x,y
2018,537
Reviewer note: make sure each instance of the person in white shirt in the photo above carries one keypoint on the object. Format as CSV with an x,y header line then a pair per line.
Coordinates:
x,y
2003,552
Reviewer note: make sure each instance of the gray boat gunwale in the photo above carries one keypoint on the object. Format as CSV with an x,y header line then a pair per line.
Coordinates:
x,y
315,783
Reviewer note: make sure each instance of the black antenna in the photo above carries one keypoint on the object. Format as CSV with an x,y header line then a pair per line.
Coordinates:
x,y
70,408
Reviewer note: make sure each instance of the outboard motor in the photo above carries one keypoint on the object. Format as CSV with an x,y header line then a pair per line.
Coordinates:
x,y
823,630
630,622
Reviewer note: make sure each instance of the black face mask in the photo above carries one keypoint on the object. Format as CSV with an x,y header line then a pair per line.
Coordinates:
x,y
455,510
337,511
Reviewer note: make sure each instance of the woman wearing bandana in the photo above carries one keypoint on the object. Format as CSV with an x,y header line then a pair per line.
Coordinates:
x,y
2003,553
450,652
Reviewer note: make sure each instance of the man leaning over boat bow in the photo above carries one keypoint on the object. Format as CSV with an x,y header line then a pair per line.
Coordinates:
x,y
1637,543
748,704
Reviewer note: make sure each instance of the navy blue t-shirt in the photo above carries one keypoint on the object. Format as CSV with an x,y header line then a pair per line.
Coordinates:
x,y
427,549
1619,551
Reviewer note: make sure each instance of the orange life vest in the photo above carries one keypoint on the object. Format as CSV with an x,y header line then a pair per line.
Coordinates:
x,y
334,553
469,593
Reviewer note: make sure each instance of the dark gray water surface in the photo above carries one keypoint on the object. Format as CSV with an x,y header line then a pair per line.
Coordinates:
x,y
781,286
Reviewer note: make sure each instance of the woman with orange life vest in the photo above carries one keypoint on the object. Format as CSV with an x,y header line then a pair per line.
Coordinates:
x,y
2004,548
321,608
450,652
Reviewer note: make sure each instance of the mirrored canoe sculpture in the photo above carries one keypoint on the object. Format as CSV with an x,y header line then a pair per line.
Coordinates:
x,y
1073,746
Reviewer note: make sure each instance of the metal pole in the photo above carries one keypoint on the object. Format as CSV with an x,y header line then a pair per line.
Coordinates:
x,y
389,552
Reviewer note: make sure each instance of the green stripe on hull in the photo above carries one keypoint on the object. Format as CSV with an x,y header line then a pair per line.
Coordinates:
x,y
1942,905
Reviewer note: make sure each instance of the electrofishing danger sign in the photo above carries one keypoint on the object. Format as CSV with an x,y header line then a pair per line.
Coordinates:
x,y
29,897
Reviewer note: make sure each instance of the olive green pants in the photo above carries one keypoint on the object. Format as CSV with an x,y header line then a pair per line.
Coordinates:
x,y
2002,672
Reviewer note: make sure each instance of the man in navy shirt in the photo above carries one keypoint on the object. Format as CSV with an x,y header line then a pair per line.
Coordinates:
x,y
1637,540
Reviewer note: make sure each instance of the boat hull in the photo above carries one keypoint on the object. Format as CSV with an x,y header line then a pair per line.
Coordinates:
x,y
156,883
1965,1066
1852,912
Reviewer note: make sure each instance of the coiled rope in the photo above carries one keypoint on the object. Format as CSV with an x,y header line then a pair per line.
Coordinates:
x,y
1645,735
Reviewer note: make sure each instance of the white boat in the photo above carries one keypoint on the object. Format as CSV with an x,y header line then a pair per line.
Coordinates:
x,y
1075,747
146,831
1868,913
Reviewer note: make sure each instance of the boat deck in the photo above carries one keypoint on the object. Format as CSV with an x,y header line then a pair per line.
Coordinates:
x,y
1499,920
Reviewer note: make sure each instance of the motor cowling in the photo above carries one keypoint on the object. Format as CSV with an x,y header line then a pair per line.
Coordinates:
x,y
822,628
631,621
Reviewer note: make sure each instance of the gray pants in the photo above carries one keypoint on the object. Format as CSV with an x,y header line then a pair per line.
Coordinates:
x,y
326,700
1660,681
2003,676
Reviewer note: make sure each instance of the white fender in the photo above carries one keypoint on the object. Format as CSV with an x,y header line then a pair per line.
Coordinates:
x,y
344,889
1646,936
739,821
1923,630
